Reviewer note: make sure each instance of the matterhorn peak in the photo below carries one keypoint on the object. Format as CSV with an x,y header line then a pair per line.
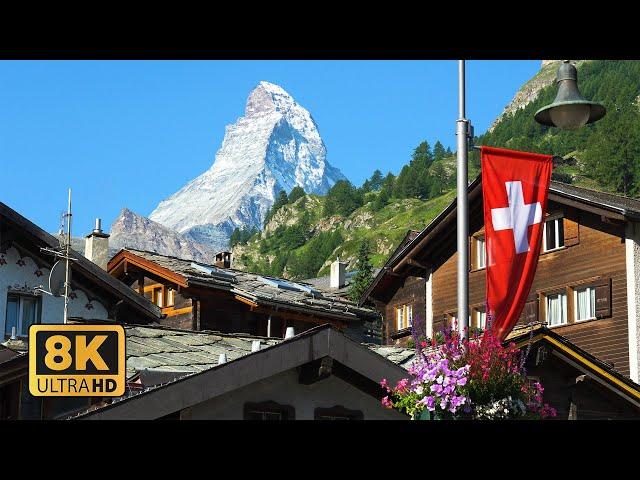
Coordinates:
x,y
267,98
275,146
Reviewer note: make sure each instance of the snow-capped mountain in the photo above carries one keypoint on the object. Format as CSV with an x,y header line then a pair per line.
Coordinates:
x,y
274,146
136,231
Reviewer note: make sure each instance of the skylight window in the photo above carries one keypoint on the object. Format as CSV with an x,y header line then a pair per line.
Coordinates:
x,y
287,285
213,271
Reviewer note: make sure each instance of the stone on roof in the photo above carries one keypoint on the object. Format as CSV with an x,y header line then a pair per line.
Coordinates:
x,y
163,349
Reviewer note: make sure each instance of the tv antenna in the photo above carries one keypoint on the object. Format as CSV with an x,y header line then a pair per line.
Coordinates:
x,y
59,274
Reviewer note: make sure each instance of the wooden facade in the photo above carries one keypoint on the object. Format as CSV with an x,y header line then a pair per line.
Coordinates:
x,y
592,256
410,294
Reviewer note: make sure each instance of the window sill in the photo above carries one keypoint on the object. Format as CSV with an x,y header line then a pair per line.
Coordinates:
x,y
577,322
554,250
405,332
558,325
584,320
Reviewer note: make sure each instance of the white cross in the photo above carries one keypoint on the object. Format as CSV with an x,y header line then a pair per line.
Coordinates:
x,y
517,216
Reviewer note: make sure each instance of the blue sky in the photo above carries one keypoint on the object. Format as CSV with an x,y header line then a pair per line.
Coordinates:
x,y
131,133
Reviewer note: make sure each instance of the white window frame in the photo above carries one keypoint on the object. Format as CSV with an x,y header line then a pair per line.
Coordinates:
x,y
479,313
575,303
557,235
400,317
481,248
404,316
563,305
21,299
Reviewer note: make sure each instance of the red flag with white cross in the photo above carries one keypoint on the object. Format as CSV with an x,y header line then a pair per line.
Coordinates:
x,y
515,187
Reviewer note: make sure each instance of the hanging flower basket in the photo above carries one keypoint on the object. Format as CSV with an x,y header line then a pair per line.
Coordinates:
x,y
481,379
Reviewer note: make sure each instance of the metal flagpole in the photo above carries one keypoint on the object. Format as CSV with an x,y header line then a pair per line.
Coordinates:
x,y
462,133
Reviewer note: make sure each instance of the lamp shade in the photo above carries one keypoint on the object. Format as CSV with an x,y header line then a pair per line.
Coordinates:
x,y
570,110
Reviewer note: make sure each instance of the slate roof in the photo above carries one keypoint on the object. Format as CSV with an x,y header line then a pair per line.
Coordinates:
x,y
402,357
8,354
162,349
253,287
325,282
626,206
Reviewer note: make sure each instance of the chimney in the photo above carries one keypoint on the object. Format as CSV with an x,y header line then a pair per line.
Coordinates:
x,y
223,260
337,279
96,246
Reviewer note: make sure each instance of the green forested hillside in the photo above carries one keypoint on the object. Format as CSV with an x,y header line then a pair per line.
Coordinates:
x,y
604,155
304,233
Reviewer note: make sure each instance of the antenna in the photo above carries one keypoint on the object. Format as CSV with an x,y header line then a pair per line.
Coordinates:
x,y
63,253
66,269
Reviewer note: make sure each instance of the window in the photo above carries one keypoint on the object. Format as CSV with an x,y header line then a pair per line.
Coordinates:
x,y
268,411
553,234
337,413
481,318
22,311
585,302
404,316
171,300
158,297
556,309
481,253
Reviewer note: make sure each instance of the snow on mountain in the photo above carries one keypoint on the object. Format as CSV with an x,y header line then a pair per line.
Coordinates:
x,y
274,146
135,231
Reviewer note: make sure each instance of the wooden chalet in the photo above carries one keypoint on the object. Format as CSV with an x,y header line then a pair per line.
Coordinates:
x,y
585,288
216,297
94,297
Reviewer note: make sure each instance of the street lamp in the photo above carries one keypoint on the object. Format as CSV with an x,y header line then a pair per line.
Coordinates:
x,y
570,110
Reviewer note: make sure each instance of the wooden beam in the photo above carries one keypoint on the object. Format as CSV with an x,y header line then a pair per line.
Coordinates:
x,y
141,283
315,371
415,263
172,312
246,301
131,259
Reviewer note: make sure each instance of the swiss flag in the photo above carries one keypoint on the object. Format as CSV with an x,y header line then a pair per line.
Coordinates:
x,y
515,187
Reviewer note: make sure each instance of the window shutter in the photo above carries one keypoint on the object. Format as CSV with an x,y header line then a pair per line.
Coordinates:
x,y
530,312
571,232
472,253
603,299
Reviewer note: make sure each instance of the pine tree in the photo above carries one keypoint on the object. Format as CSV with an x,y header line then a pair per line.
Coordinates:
x,y
438,151
375,182
342,199
281,200
296,193
364,275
